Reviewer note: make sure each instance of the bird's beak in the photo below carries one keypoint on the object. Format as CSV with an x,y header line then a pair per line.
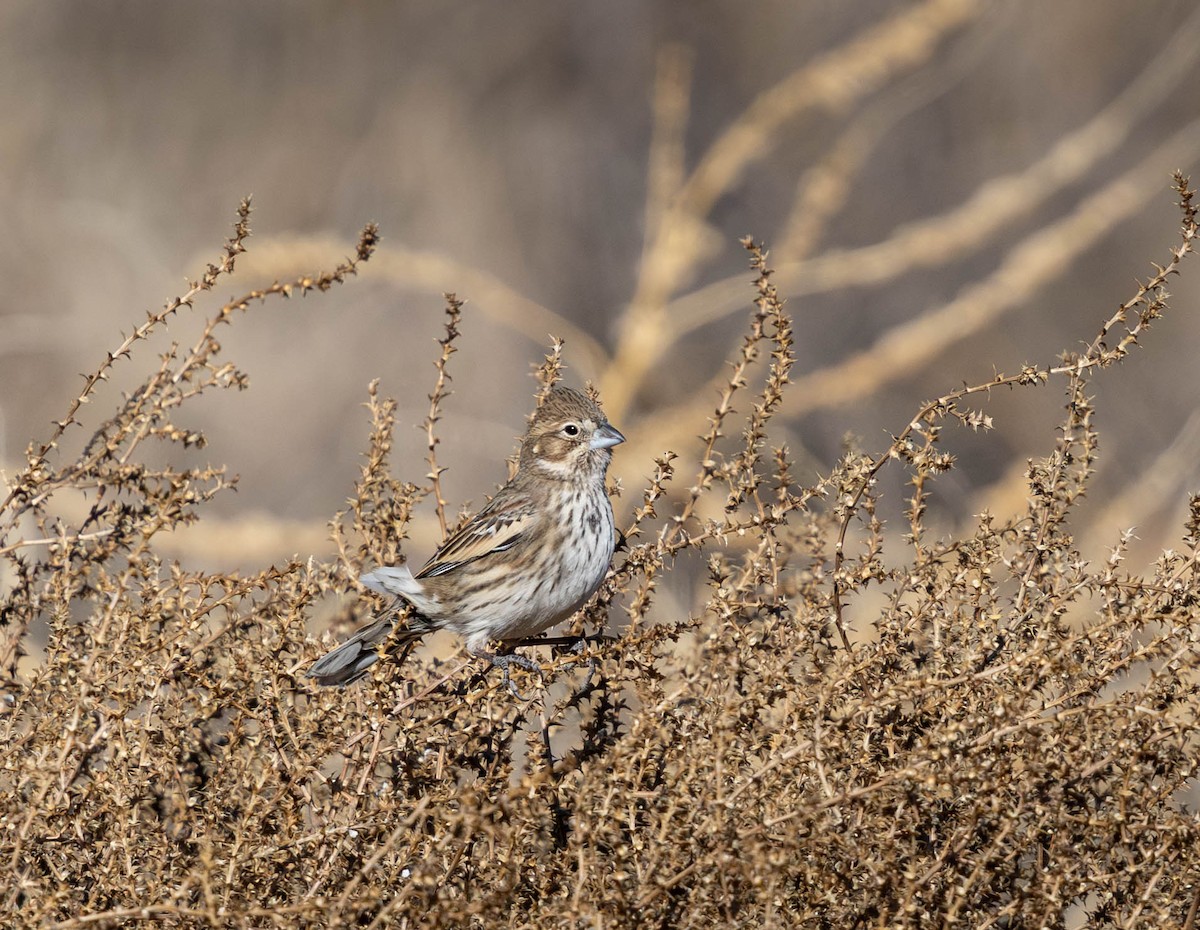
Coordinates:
x,y
606,437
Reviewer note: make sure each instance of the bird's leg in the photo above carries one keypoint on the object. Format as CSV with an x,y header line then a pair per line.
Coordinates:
x,y
586,687
508,659
504,661
577,644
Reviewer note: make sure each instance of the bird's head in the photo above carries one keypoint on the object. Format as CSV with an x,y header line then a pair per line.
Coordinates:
x,y
569,438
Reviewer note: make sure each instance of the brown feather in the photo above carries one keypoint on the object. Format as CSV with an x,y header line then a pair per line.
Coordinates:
x,y
496,528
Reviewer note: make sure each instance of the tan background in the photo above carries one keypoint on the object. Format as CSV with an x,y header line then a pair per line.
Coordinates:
x,y
509,152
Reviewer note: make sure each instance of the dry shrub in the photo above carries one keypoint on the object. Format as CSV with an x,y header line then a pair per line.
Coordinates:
x,y
1004,742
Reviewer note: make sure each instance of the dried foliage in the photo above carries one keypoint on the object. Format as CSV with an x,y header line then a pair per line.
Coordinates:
x,y
1003,741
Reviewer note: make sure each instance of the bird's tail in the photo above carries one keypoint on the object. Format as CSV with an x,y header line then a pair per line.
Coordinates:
x,y
351,660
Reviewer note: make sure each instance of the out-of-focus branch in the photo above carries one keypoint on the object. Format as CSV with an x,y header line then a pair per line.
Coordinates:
x,y
937,241
825,187
436,273
836,80
1028,266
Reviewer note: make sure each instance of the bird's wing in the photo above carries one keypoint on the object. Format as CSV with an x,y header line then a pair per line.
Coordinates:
x,y
499,526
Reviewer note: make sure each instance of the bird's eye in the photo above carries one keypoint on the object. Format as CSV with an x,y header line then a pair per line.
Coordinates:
x,y
570,429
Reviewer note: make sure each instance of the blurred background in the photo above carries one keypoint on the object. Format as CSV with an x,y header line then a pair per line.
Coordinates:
x,y
948,188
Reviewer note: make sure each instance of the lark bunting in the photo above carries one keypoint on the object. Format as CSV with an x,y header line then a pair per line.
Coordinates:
x,y
530,558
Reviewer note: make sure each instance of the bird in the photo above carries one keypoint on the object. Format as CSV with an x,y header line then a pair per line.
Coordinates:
x,y
532,557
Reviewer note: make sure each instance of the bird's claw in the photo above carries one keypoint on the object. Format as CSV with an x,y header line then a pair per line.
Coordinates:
x,y
506,661
584,688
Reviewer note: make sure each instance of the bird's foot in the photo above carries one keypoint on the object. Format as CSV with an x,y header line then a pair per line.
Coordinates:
x,y
584,689
505,661
577,646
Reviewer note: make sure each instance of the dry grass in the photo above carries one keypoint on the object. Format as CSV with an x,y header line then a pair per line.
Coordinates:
x,y
1005,741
